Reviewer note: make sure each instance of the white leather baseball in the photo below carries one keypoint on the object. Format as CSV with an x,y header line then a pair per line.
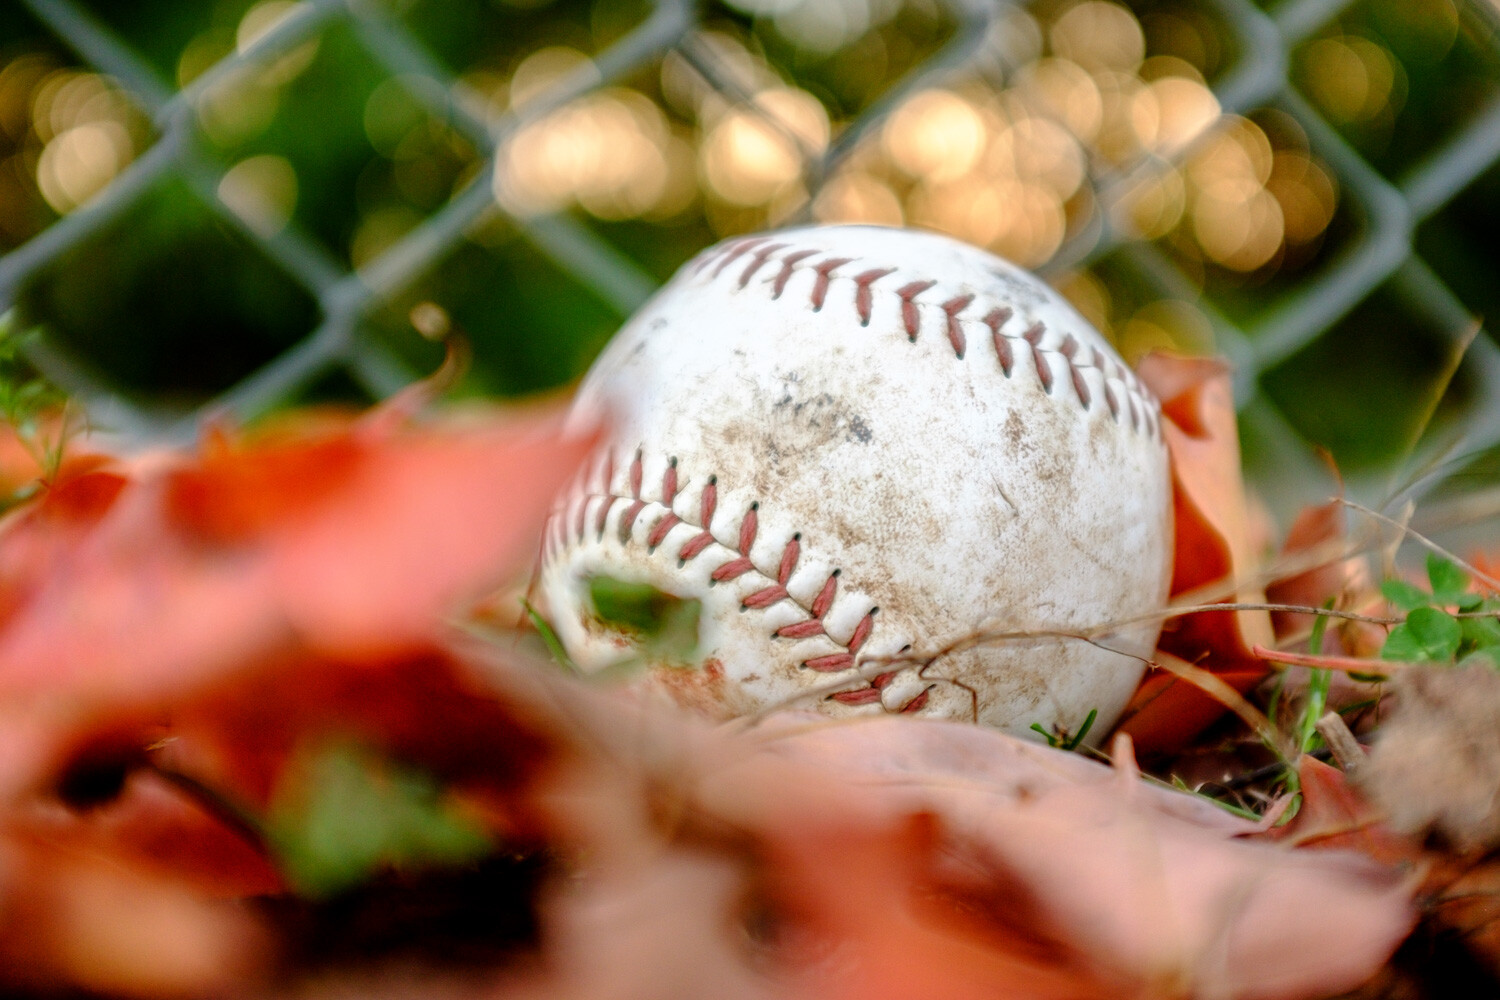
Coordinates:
x,y
850,442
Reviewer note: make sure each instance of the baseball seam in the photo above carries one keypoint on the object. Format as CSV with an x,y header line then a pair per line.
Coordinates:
x,y
663,518
1135,403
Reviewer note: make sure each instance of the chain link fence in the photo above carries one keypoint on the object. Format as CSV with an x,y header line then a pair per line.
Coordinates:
x,y
1303,187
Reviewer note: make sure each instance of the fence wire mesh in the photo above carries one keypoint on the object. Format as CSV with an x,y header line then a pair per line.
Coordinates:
x,y
1307,188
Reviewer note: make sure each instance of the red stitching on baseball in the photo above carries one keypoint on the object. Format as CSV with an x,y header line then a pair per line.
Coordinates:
x,y
695,545
1080,386
578,519
801,630
627,519
917,703
772,593
765,597
862,630
603,515
825,596
659,532
709,502
832,663
758,261
735,251
710,255
863,696
669,483
1033,337
732,569
863,299
1076,354
748,528
825,273
789,557
910,317
788,263
995,320
953,307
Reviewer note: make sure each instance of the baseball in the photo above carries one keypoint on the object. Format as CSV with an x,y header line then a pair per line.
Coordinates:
x,y
853,443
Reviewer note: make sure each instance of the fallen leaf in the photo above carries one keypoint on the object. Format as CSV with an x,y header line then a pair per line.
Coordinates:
x,y
342,542
1321,528
909,858
1214,549
197,617
1334,814
74,917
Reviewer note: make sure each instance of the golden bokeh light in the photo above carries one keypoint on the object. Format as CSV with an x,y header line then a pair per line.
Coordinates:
x,y
1351,78
1307,194
1090,296
1240,233
612,153
87,131
66,99
262,191
482,93
688,93
1041,151
1185,110
1034,229
821,26
974,209
751,156
258,22
1169,324
199,55
237,109
1153,205
1002,158
1235,162
1008,167
79,163
935,135
1063,90
380,230
397,122
1019,220
18,82
544,69
1129,117
1099,36
855,196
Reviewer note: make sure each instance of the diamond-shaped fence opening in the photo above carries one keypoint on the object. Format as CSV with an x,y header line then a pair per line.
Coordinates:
x,y
236,204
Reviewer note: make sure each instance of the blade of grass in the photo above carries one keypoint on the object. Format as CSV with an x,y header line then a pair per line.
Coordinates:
x,y
549,637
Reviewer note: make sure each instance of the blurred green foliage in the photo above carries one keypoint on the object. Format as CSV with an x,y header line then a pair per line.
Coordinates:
x,y
346,815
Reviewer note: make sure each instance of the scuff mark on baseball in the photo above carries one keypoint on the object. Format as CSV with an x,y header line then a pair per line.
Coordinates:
x,y
850,441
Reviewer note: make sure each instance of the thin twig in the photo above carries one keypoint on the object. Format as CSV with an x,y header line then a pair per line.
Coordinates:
x,y
1214,686
232,816
1301,609
1348,664
1341,742
924,660
1422,539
